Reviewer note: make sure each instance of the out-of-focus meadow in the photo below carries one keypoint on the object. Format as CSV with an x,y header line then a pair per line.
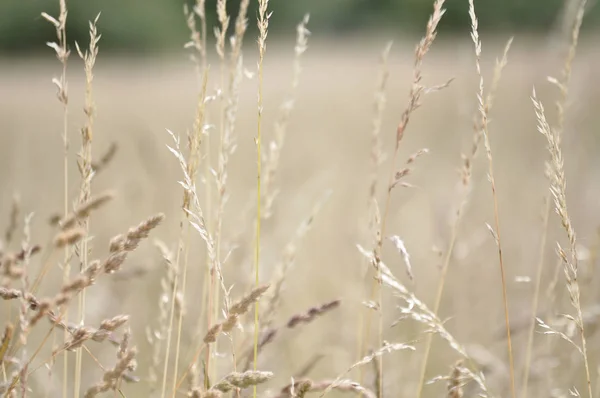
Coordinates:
x,y
326,155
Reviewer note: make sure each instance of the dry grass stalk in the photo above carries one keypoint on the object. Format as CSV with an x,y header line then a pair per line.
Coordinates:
x,y
563,86
377,154
272,157
125,363
11,263
227,147
418,311
415,95
237,310
558,186
457,380
465,180
377,159
120,247
263,26
85,169
69,237
62,53
484,112
189,168
198,43
197,38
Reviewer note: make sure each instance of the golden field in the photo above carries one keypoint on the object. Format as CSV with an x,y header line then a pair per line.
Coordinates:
x,y
327,149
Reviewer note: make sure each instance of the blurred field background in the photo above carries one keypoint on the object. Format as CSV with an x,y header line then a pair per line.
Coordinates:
x,y
144,84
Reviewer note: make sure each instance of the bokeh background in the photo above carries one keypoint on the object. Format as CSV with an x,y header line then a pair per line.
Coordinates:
x,y
146,84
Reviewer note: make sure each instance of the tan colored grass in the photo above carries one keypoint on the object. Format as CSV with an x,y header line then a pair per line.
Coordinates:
x,y
196,325
563,86
415,96
465,180
484,113
558,187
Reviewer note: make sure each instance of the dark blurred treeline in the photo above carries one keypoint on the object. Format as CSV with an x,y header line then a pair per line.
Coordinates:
x,y
155,25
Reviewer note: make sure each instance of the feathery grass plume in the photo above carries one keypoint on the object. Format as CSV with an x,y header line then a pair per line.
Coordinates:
x,y
242,380
111,379
121,245
225,99
312,313
119,248
85,169
272,156
241,24
198,43
263,25
561,104
415,95
385,349
84,209
484,113
198,222
197,37
558,187
69,237
465,181
399,243
236,310
418,311
62,53
377,159
227,146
